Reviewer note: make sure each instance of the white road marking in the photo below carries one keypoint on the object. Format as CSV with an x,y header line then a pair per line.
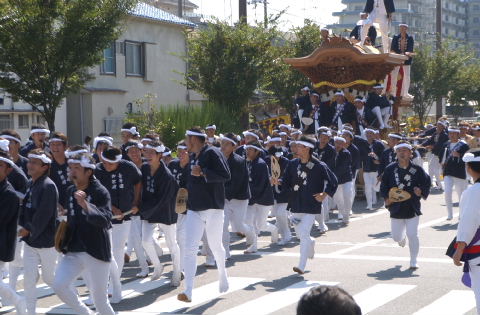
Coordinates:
x,y
272,302
455,302
380,294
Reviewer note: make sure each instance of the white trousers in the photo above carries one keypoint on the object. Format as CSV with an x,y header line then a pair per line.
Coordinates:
x,y
15,266
370,180
434,169
135,243
402,228
343,198
119,236
307,243
32,258
6,292
325,215
235,214
256,219
381,18
475,276
69,268
460,186
181,236
211,222
354,188
405,83
280,212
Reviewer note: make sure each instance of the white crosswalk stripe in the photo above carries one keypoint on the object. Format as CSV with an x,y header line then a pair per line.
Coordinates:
x,y
455,302
199,295
380,294
277,300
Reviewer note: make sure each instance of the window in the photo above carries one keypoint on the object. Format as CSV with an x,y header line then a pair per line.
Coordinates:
x,y
5,122
134,59
476,7
475,20
108,65
476,32
23,122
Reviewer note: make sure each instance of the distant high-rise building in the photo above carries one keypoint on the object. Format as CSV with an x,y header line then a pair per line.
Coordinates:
x,y
418,14
473,23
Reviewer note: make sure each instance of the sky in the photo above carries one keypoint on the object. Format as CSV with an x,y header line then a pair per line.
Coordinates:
x,y
319,11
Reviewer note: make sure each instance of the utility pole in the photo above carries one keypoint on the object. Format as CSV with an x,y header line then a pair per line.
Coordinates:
x,y
242,11
180,8
439,100
265,14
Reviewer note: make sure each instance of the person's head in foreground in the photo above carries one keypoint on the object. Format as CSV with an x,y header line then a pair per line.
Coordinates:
x,y
327,300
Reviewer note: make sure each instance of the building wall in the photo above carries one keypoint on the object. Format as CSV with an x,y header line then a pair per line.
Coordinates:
x,y
110,94
473,23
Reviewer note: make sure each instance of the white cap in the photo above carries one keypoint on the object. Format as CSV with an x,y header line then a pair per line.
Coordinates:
x,y
402,24
339,93
306,88
379,86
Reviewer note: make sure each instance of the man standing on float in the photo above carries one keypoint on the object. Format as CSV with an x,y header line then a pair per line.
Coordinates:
x,y
379,11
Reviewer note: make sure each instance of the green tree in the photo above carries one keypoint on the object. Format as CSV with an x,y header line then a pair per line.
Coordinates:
x,y
281,79
46,47
226,63
435,74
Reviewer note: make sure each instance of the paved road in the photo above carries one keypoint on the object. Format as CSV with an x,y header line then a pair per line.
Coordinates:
x,y
361,258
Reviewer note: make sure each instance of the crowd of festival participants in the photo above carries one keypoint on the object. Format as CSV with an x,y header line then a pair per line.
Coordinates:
x,y
113,198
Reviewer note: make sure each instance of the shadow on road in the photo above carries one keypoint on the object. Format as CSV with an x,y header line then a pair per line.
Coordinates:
x,y
392,273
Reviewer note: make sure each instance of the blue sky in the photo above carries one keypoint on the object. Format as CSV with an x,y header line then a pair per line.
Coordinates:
x,y
297,10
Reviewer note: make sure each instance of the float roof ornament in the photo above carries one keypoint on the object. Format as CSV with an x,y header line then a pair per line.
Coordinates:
x,y
339,64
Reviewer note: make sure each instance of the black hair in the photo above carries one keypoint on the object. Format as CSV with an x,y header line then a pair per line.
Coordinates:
x,y
5,155
12,133
309,140
111,153
128,125
475,166
103,134
198,130
329,300
231,136
59,135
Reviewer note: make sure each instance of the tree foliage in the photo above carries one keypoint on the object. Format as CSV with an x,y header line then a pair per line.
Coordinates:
x,y
440,73
46,47
227,62
281,79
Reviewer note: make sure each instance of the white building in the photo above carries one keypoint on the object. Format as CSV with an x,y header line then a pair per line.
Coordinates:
x,y
146,59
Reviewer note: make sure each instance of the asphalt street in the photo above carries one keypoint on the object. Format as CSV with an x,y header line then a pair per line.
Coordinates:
x,y
361,258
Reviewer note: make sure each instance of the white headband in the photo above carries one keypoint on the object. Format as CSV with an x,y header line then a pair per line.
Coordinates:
x,y
276,139
194,133
56,140
211,127
69,154
132,130
248,133
442,122
8,161
136,145
324,132
228,139
84,162
296,132
305,144
101,139
454,130
10,138
392,135
379,86
285,126
348,131
403,145
158,149
340,93
4,145
282,134
40,131
340,139
248,146
41,157
470,157
181,147
146,140
167,153
370,130
117,158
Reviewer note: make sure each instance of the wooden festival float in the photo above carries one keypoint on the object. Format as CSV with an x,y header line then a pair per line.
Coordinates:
x,y
339,64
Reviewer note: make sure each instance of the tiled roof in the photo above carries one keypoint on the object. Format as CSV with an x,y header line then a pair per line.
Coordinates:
x,y
147,11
